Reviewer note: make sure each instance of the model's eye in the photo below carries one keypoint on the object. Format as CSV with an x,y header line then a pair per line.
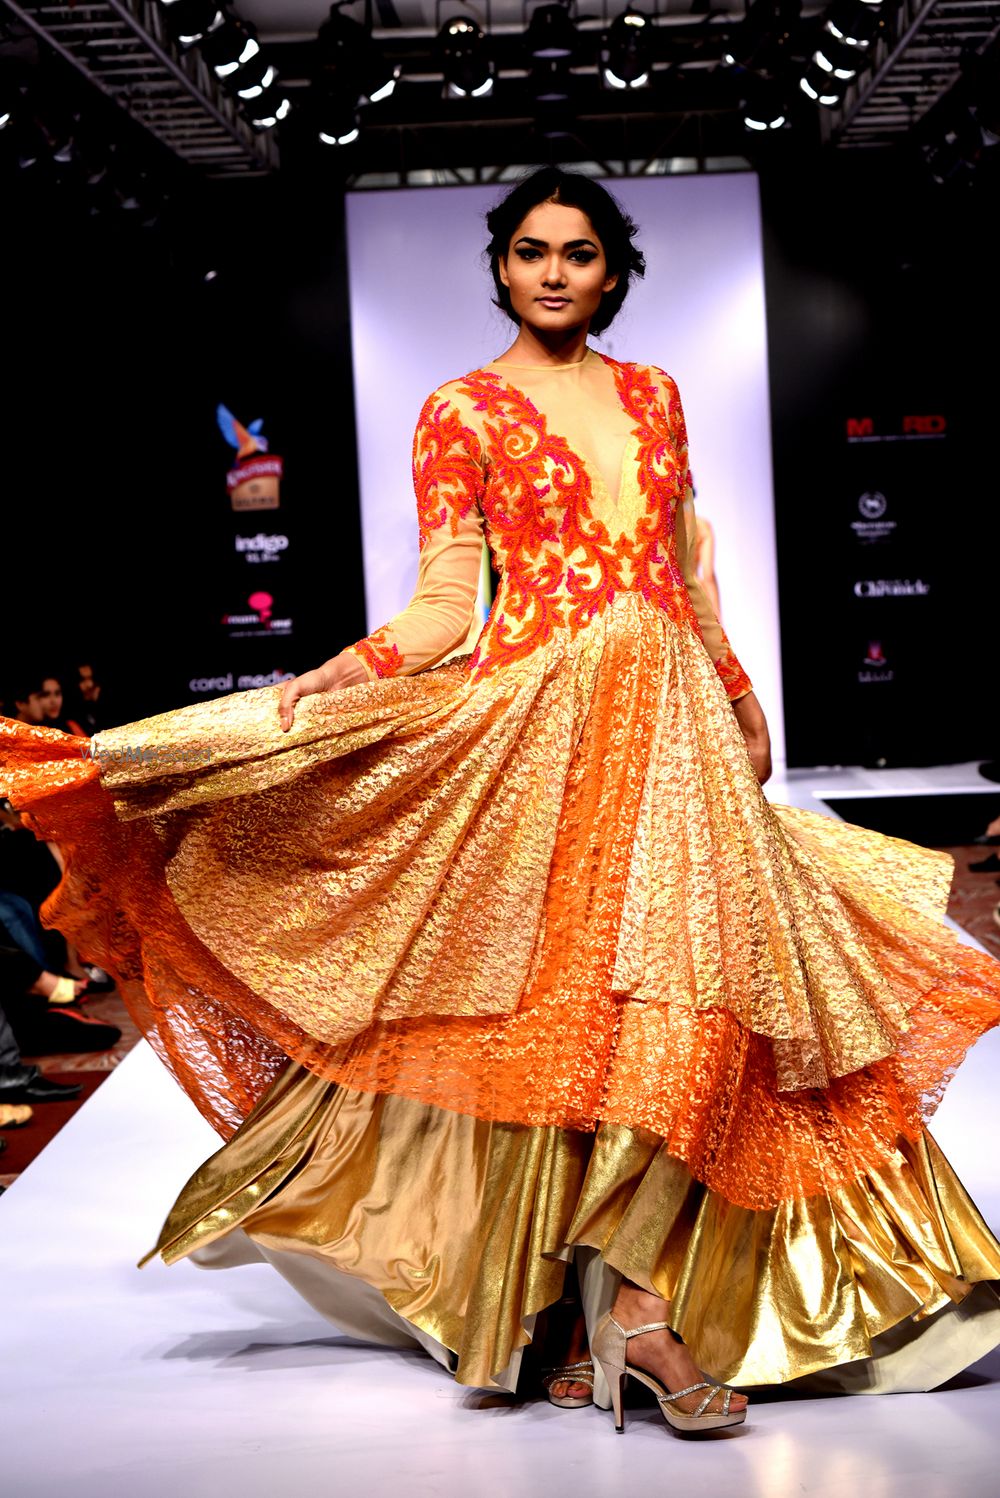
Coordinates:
x,y
583,257
526,252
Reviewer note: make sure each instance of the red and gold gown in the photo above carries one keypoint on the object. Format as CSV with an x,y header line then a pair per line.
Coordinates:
x,y
502,957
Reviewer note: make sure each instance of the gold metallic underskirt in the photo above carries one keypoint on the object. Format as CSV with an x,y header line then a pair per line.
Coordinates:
x,y
466,1226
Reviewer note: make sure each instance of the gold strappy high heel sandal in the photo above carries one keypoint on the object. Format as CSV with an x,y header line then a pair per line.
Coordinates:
x,y
610,1348
570,1373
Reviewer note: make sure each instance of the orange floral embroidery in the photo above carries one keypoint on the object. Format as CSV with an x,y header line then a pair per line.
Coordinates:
x,y
560,567
380,653
733,677
442,451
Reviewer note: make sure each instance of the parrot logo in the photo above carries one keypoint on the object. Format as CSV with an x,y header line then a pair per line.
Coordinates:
x,y
246,440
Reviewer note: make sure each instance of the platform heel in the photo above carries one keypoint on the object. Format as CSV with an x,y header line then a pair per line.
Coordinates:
x,y
610,1350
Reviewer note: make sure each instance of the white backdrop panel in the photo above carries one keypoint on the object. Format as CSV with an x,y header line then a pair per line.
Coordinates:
x,y
421,314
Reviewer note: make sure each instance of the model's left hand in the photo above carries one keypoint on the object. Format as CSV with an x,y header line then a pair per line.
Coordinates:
x,y
343,670
753,726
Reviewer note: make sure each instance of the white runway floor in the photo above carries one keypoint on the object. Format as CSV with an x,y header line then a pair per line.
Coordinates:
x,y
179,1383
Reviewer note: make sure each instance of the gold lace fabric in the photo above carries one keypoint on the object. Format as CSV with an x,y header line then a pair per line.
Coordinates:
x,y
556,899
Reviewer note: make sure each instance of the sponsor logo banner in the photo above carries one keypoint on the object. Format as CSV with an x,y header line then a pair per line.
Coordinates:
x,y
260,548
230,681
891,587
257,619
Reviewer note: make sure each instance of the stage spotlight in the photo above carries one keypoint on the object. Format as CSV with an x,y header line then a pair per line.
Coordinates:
x,y
248,90
550,81
270,109
762,34
468,70
629,59
763,107
380,76
190,21
10,92
8,101
349,58
551,33
839,60
348,137
853,22
820,86
230,47
336,115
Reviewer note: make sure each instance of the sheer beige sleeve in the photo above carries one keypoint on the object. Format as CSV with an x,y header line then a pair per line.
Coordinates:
x,y
448,482
734,678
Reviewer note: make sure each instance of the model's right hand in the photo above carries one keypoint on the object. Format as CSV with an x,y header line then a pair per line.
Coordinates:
x,y
344,670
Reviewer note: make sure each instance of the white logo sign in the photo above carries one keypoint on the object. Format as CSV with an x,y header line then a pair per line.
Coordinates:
x,y
894,587
262,547
244,683
872,528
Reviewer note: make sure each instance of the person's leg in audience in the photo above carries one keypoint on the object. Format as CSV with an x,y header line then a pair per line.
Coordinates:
x,y
18,919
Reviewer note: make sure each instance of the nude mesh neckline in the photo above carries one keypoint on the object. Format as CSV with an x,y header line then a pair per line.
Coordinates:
x,y
546,368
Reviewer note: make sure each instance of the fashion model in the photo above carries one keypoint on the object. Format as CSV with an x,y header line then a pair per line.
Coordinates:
x,y
502,979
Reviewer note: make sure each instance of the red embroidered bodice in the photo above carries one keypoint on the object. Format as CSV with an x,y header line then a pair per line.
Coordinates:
x,y
577,476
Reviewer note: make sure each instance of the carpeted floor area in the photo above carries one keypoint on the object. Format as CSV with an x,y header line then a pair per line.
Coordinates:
x,y
24,1144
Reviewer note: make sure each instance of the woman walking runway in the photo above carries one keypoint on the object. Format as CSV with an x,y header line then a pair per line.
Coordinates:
x,y
491,961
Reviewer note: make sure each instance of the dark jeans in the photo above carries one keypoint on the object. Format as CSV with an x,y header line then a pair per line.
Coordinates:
x,y
9,1053
20,922
18,972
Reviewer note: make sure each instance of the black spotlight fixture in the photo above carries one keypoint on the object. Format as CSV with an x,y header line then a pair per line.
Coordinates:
x,y
230,48
551,33
763,107
627,61
10,94
841,61
350,59
190,21
268,108
550,81
468,69
337,121
763,35
821,86
853,23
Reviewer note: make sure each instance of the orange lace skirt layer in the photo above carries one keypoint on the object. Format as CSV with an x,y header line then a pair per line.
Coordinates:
x,y
556,897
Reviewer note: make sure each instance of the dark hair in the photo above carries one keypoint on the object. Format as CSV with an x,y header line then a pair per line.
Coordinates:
x,y
26,681
611,223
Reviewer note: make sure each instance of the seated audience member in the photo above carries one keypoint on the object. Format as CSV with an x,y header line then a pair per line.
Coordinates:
x,y
39,1027
38,699
92,707
55,712
29,871
12,1115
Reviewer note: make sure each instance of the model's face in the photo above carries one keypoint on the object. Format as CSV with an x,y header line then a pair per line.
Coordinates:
x,y
52,697
555,270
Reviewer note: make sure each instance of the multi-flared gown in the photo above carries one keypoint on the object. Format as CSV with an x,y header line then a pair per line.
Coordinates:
x,y
487,965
